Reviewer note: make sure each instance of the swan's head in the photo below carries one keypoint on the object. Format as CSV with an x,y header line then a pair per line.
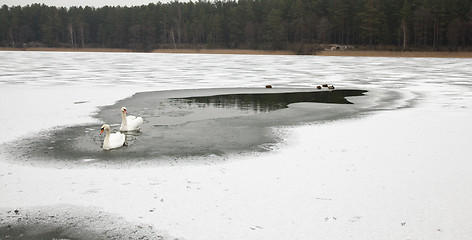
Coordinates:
x,y
123,110
104,127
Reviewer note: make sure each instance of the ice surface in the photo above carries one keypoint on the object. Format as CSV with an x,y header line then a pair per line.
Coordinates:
x,y
396,174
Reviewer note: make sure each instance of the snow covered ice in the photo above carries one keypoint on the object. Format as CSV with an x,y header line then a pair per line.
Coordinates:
x,y
402,172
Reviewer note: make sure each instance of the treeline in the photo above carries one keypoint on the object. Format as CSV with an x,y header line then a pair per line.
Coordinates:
x,y
250,24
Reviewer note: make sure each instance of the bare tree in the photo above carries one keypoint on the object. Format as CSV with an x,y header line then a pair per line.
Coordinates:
x,y
404,28
71,34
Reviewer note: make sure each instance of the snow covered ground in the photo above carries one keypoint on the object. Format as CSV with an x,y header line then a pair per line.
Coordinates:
x,y
393,174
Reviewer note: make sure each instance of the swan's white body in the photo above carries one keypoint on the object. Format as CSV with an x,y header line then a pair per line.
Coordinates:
x,y
130,123
112,140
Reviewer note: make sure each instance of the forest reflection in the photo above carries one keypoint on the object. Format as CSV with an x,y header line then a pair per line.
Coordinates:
x,y
265,102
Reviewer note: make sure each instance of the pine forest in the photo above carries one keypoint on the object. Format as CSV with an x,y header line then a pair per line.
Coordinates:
x,y
297,25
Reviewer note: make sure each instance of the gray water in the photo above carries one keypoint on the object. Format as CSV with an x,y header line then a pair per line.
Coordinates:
x,y
185,123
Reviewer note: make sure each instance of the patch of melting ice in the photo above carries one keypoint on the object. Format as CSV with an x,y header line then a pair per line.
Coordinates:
x,y
70,222
184,123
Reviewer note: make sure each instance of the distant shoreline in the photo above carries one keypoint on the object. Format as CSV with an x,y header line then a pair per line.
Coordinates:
x,y
226,51
415,54
42,49
338,53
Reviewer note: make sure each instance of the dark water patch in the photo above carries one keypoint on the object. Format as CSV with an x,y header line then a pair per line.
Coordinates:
x,y
264,102
188,123
80,102
71,223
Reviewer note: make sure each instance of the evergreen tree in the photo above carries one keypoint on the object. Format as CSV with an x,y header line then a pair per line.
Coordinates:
x,y
372,22
254,24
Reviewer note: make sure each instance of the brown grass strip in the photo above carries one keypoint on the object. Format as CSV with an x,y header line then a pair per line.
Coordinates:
x,y
396,54
67,49
224,51
346,53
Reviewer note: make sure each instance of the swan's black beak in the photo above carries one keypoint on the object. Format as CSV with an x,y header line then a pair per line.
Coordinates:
x,y
101,131
125,111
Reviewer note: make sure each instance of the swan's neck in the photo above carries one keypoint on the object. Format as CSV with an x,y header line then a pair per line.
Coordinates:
x,y
106,142
124,122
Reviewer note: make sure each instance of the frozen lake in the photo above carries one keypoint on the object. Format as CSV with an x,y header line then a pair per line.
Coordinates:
x,y
84,81
395,164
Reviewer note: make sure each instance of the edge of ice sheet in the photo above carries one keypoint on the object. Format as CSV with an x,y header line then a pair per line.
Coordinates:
x,y
64,221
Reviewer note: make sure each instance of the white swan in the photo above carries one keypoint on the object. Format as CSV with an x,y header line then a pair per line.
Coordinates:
x,y
130,123
114,140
